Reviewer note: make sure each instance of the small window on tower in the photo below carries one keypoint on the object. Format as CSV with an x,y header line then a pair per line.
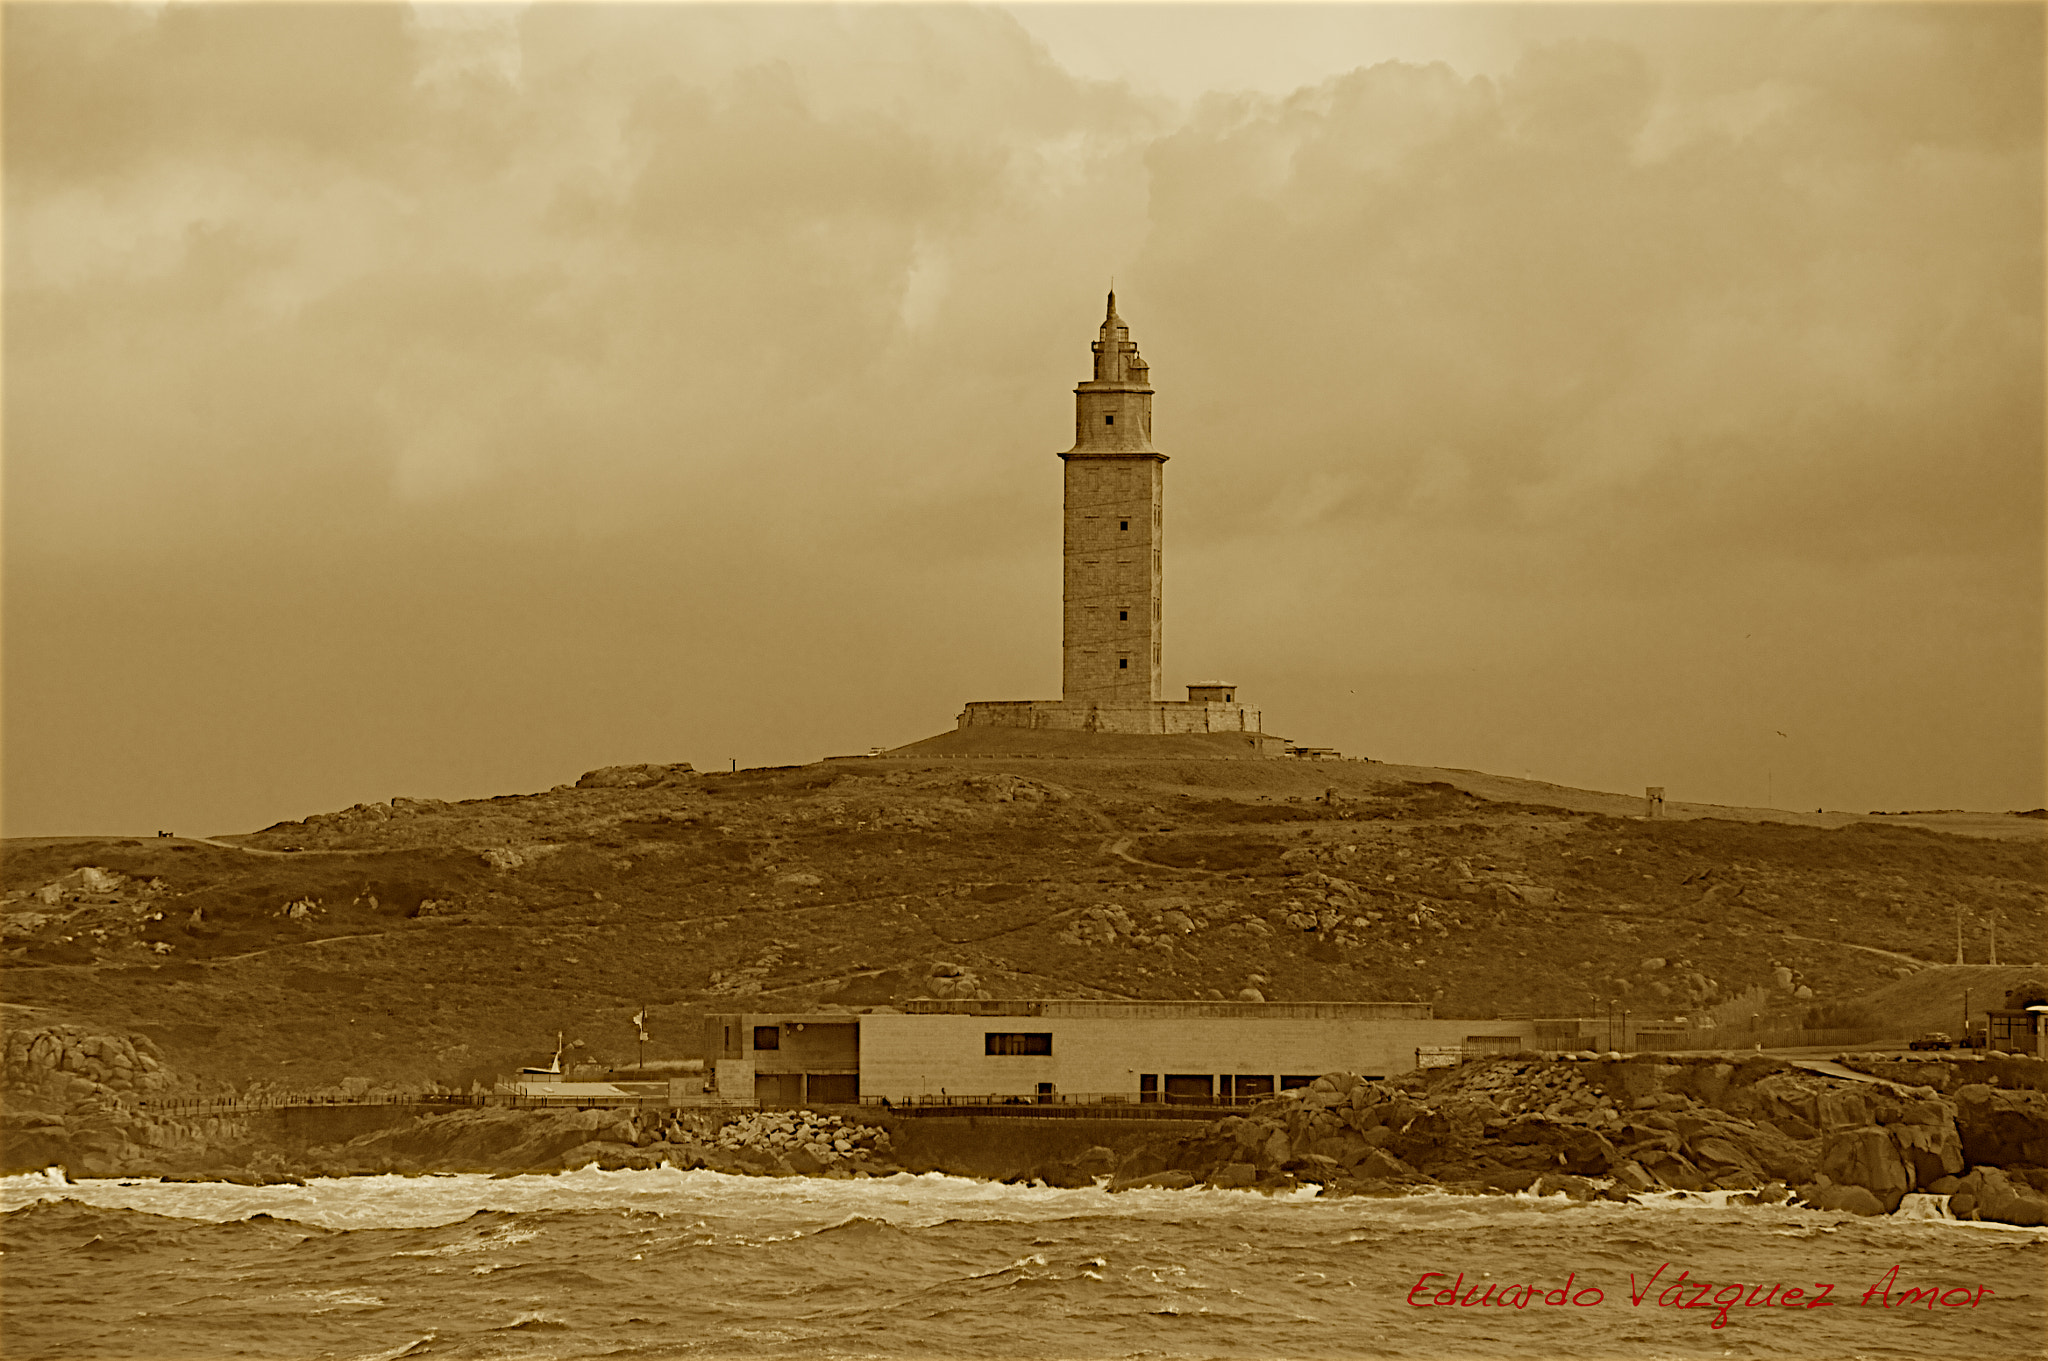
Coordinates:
x,y
1123,663
1109,420
1123,614
1123,524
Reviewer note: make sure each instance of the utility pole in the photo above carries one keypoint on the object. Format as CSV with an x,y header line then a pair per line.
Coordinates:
x,y
1959,935
1994,937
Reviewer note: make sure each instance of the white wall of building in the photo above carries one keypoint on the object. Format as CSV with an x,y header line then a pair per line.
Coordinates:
x,y
903,1056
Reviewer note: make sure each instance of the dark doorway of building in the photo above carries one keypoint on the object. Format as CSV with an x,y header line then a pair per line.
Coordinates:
x,y
1190,1088
779,1089
832,1089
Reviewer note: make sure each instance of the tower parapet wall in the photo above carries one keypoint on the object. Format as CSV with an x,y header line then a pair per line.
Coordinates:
x,y
1158,717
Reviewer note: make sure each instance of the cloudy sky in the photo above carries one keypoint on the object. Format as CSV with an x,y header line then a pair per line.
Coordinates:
x,y
448,400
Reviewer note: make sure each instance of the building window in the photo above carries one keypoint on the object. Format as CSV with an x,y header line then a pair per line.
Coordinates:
x,y
1123,614
1123,663
1017,1042
767,1037
1123,524
1109,420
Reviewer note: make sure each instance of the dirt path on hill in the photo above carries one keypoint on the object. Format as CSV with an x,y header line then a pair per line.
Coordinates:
x,y
258,850
1121,849
1868,949
293,945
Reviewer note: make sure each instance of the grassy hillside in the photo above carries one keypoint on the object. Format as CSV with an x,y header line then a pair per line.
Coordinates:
x,y
1932,999
427,939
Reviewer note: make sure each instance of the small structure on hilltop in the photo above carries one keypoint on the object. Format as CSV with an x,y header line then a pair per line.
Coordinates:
x,y
1111,590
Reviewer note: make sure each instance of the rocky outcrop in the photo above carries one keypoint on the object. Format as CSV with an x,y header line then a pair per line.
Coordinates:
x,y
1609,1126
636,777
808,1144
1867,1158
2001,1127
506,1140
1986,1193
953,980
60,1065
73,1099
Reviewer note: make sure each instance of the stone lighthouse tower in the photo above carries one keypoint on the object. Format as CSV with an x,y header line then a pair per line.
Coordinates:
x,y
1109,588
1111,573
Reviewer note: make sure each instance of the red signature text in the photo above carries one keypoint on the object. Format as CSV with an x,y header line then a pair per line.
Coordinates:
x,y
1683,1292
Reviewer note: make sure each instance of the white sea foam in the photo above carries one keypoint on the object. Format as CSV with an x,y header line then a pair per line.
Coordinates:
x,y
778,1208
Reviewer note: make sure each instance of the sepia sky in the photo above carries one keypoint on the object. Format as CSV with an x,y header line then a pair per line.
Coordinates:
x,y
444,401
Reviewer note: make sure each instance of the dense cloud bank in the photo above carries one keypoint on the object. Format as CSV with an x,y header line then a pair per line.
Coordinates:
x,y
668,382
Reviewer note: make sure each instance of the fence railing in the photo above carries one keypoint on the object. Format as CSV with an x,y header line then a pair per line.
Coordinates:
x,y
1789,1038
1099,1099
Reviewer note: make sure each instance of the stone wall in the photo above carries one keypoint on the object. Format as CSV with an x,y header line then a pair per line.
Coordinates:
x,y
1161,717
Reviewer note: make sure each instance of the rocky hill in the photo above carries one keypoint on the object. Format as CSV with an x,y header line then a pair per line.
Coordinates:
x,y
419,940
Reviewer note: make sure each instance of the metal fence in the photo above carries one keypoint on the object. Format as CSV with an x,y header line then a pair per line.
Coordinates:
x,y
1788,1038
1085,1102
277,1101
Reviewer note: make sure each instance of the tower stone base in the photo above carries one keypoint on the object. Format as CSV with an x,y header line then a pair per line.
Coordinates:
x,y
1159,717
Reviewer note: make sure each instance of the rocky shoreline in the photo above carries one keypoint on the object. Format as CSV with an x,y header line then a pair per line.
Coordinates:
x,y
1856,1135
1610,1127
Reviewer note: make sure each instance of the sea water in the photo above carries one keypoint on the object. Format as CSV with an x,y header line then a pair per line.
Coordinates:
x,y
671,1263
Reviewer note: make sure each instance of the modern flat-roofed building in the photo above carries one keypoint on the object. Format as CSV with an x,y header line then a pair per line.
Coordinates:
x,y
1184,1051
785,1058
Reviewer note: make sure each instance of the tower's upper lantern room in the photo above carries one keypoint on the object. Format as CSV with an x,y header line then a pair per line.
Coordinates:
x,y
1116,358
1113,410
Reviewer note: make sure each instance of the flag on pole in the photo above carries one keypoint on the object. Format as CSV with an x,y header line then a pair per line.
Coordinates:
x,y
640,1019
